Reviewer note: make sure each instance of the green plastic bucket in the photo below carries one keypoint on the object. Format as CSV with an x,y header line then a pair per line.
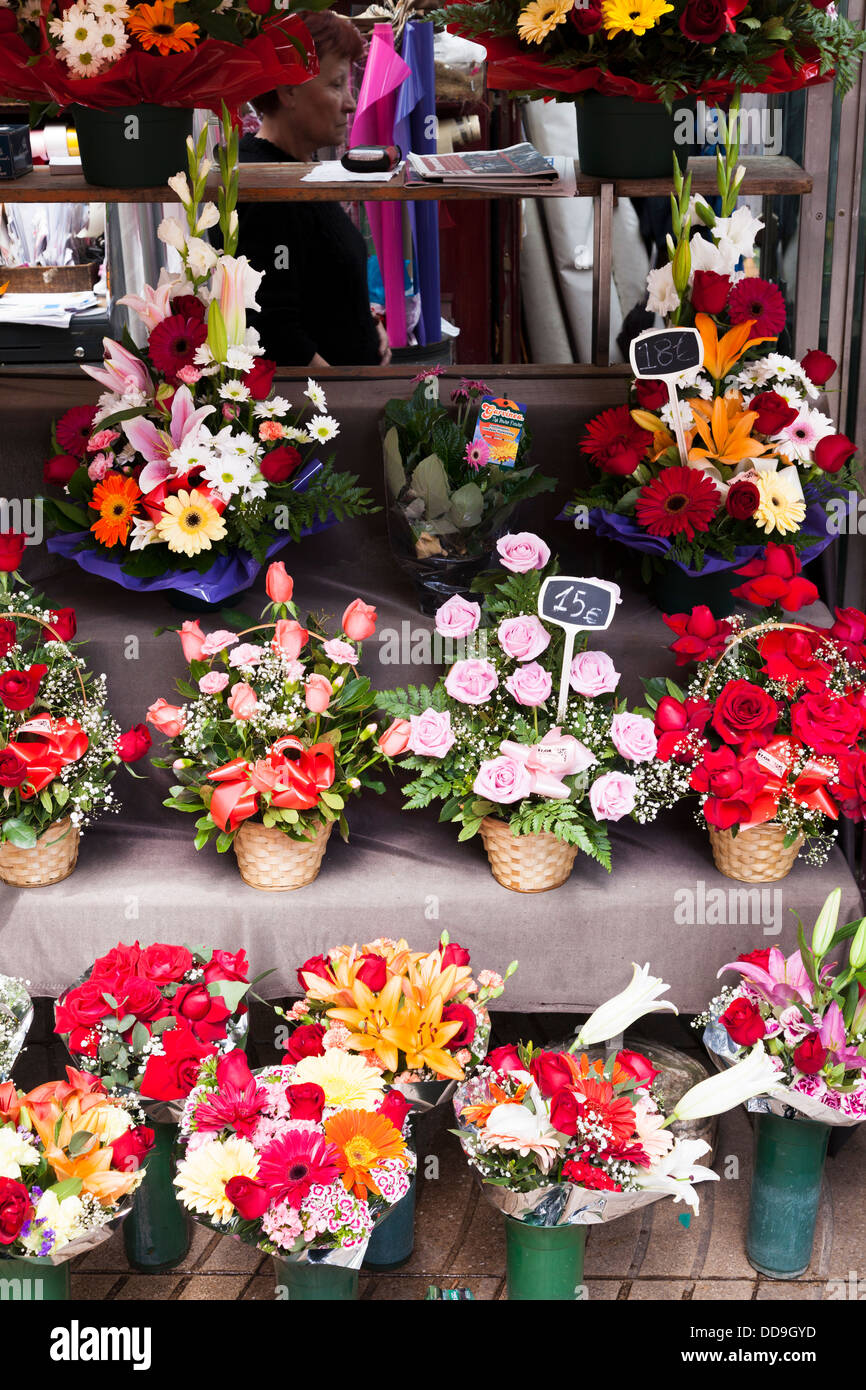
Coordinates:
x,y
157,1232
132,146
544,1263
620,138
29,1279
786,1188
315,1282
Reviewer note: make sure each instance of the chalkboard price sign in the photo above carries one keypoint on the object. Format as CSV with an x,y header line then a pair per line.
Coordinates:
x,y
663,352
577,605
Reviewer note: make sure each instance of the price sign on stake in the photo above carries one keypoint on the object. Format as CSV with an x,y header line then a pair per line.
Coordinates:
x,y
660,354
576,605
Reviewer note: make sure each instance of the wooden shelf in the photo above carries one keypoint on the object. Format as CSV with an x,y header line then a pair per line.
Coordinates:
x,y
268,183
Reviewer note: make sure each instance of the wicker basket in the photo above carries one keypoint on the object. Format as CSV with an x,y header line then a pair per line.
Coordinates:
x,y
272,862
526,863
51,859
754,856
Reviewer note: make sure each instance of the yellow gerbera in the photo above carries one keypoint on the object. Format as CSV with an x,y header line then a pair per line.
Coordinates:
x,y
781,507
190,523
347,1080
203,1174
541,16
632,16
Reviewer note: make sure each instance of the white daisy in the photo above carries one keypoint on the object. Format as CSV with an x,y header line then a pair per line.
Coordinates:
x,y
81,64
114,9
296,436
255,490
241,445
267,410
323,428
234,391
240,359
192,453
113,40
227,474
316,395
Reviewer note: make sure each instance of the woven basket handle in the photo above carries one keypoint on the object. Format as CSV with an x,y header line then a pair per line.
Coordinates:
x,y
31,618
771,625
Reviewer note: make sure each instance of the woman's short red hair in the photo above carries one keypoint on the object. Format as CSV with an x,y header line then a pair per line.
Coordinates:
x,y
331,33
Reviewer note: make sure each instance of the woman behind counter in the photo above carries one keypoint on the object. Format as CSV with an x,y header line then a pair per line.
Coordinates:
x,y
315,308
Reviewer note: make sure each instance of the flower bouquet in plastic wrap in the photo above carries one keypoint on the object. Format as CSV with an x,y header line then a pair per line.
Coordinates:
x,y
559,1142
809,1012
300,1160
191,471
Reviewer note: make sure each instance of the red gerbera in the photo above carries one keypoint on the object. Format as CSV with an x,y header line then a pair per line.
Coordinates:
x,y
174,341
289,1166
679,499
760,300
614,442
234,1107
74,428
604,1107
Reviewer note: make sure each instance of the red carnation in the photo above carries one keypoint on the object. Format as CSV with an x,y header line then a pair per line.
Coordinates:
x,y
586,18
774,413
279,465
811,1055
259,379
63,624
679,501
306,1041
651,395
819,366
674,721
761,300
745,714
700,636
833,451
133,744
743,1022
18,689
742,500
59,469
614,442
704,21
730,784
173,343
790,656
74,428
775,577
12,545
710,291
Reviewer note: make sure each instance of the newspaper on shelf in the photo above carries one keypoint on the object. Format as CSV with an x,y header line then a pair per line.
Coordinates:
x,y
518,169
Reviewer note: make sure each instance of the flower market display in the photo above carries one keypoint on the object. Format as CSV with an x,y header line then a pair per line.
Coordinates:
x,y
486,742
809,1013
559,1142
450,489
276,736
772,724
190,471
60,746
299,1160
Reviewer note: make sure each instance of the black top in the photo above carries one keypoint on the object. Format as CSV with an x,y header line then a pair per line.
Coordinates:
x,y
314,295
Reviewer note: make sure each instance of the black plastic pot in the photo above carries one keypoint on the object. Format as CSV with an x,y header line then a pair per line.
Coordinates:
x,y
132,146
619,138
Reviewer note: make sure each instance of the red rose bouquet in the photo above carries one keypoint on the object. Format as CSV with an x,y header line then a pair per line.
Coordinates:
x,y
145,1018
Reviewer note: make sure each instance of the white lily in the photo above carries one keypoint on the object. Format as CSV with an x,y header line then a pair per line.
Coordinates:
x,y
677,1171
619,1013
755,1076
825,927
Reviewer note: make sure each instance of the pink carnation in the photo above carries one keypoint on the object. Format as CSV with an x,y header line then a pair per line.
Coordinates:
x,y
341,652
246,654
213,682
217,641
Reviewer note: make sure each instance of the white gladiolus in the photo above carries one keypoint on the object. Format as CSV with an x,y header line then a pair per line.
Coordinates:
x,y
755,1076
178,184
663,297
619,1013
208,217
172,233
201,258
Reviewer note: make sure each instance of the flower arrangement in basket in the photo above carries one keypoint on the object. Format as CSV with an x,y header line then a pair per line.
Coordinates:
x,y
299,1160
276,737
559,1142
761,461
772,725
449,494
419,1016
190,472
61,747
488,741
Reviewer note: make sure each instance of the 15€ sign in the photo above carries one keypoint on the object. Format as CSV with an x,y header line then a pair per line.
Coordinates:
x,y
575,605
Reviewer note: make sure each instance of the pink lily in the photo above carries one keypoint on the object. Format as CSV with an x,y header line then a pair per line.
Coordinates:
x,y
782,981
156,445
833,1037
122,371
151,307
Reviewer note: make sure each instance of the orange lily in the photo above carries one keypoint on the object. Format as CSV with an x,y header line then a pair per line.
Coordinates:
x,y
662,437
720,356
479,1114
423,1036
726,430
93,1169
370,1018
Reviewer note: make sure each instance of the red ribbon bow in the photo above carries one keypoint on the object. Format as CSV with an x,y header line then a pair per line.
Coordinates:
x,y
294,784
808,790
52,744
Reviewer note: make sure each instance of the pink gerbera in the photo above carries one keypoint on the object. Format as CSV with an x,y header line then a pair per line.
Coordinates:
x,y
235,1107
174,341
291,1165
761,300
477,453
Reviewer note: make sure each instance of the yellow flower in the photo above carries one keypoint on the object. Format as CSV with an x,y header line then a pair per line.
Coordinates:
x,y
347,1080
203,1174
632,16
541,16
190,523
782,507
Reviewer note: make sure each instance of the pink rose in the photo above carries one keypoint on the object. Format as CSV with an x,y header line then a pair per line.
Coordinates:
x,y
317,693
457,617
634,737
289,637
592,673
613,795
530,685
522,552
523,637
192,640
502,780
340,652
213,682
243,701
359,620
216,642
431,734
169,719
471,682
395,739
246,654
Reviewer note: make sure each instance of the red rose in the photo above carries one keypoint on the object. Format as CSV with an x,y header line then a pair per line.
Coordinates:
x,y
828,723
189,306
849,630
81,1007
164,964
16,1208
233,1069
776,577
12,545
64,626
586,18
279,465
731,785
819,366
743,1022
564,1111
59,469
760,958
8,636
704,21
306,1041
226,965
18,689
119,962
710,292
395,1107
133,744
638,1066
8,22
551,1072
745,715
306,1102
651,395
462,1014
674,721
141,998
505,1059
130,1150
790,656
700,636
205,1013
249,1197
810,1056
259,378
742,500
13,769
454,954
172,1075
850,787
833,452
316,965
84,1042
773,412
373,972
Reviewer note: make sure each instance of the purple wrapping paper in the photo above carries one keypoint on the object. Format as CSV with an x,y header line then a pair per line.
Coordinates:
x,y
228,575
416,130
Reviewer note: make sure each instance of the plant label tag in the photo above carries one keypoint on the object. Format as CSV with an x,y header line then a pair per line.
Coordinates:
x,y
500,424
770,763
576,605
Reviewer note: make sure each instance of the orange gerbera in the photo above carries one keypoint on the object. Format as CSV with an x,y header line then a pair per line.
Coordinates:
x,y
154,27
116,500
585,1066
363,1140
